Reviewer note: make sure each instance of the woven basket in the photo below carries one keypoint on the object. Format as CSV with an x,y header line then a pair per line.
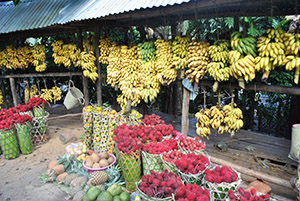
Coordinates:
x,y
131,168
186,151
147,198
39,111
24,137
39,126
88,129
151,162
9,144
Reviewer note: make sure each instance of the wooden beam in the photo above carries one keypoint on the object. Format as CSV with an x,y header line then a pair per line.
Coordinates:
x,y
64,74
97,52
84,79
13,91
185,112
255,87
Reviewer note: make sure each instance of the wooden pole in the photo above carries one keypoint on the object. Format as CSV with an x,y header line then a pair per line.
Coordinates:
x,y
185,112
84,79
99,80
13,91
142,33
64,74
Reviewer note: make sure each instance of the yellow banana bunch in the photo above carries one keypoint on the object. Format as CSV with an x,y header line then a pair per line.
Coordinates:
x,y
56,93
16,58
217,118
233,118
1,99
105,45
88,65
114,65
166,72
218,67
88,43
26,94
271,51
33,91
179,50
129,82
66,54
242,67
39,57
292,60
47,95
149,94
203,123
197,59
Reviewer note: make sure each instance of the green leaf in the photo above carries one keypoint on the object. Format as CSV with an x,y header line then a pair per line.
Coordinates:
x,y
250,148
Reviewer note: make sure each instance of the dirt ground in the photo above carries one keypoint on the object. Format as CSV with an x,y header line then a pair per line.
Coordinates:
x,y
19,177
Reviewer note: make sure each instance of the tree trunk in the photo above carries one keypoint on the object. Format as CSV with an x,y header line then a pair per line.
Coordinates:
x,y
97,54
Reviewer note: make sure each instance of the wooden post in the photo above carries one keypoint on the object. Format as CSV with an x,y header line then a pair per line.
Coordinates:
x,y
3,93
84,79
185,112
99,80
13,91
142,33
236,25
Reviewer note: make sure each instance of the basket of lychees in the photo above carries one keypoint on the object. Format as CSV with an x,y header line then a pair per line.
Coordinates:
x,y
191,192
241,194
220,180
191,145
169,158
158,186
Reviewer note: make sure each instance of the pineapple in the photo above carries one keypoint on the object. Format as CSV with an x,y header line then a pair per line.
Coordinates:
x,y
113,175
98,177
79,196
74,190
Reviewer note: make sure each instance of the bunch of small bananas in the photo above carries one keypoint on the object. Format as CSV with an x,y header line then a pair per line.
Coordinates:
x,y
26,94
129,82
105,44
39,56
218,67
197,59
246,45
149,81
271,51
233,118
33,91
88,65
180,49
1,99
51,95
47,95
56,93
16,58
147,51
217,118
292,60
114,65
203,123
165,70
88,43
242,67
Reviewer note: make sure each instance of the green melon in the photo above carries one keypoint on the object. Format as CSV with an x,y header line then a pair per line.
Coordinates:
x,y
117,198
105,196
93,193
125,196
115,190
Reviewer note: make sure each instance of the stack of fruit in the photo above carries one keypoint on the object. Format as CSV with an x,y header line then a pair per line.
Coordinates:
x,y
152,120
191,145
16,58
99,161
197,59
113,193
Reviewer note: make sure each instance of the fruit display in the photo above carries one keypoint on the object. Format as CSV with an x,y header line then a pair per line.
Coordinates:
x,y
220,174
247,196
152,120
159,185
191,193
113,193
189,145
180,51
161,147
166,72
16,57
271,50
197,61
233,118
66,54
218,67
192,163
39,58
172,156
99,161
105,44
292,60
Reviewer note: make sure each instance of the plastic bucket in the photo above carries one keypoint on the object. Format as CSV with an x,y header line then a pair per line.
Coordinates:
x,y
295,143
74,97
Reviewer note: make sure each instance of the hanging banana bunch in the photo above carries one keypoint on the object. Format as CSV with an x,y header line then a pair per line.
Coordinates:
x,y
197,59
105,45
56,93
1,99
245,45
292,60
66,54
129,82
88,43
147,51
179,50
88,65
203,123
39,57
47,95
166,72
16,58
114,65
218,66
33,92
271,52
233,118
217,118
26,94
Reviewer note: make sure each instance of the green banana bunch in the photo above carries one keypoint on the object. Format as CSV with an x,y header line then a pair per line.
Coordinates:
x,y
147,51
246,45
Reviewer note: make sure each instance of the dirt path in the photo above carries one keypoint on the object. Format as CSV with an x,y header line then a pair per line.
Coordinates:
x,y
19,177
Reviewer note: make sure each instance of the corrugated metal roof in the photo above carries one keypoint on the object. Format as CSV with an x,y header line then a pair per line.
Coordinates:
x,y
92,9
29,14
33,14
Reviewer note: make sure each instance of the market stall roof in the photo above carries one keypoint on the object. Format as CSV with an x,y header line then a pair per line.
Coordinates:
x,y
44,17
